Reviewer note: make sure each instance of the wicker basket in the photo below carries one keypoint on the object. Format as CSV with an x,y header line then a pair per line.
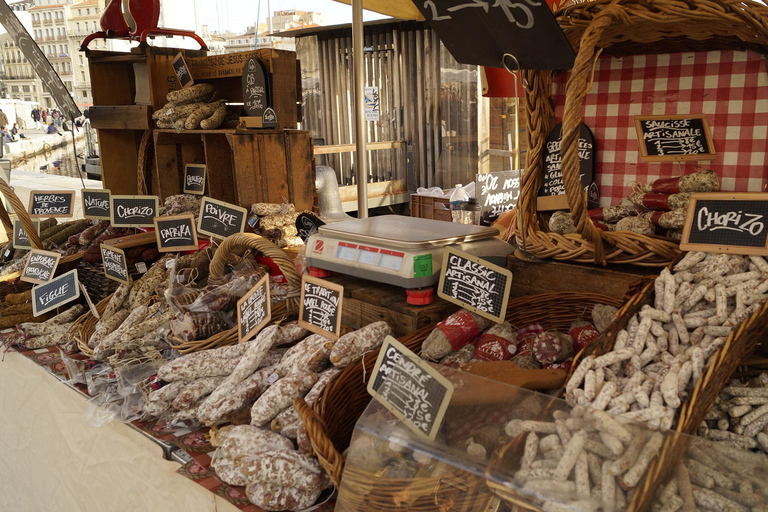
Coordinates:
x,y
621,27
84,327
331,423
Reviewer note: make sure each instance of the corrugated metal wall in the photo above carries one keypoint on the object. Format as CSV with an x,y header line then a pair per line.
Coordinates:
x,y
426,98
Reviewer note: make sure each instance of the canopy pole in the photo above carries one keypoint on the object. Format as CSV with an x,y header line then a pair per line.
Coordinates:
x,y
361,156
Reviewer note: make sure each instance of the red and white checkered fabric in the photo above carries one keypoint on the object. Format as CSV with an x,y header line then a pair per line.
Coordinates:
x,y
730,87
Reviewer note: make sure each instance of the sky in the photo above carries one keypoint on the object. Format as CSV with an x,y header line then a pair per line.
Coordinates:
x,y
237,15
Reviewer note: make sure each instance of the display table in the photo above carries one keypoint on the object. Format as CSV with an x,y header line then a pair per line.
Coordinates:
x,y
53,459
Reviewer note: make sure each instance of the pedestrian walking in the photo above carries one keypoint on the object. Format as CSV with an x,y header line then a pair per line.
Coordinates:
x,y
36,117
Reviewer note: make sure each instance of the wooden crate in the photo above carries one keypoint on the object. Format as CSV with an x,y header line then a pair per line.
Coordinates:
x,y
426,207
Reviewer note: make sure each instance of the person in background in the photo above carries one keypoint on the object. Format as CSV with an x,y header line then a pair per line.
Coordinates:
x,y
3,120
15,133
57,117
36,117
52,129
22,123
44,116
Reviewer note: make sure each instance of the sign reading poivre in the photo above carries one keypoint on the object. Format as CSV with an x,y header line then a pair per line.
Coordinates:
x,y
115,263
254,310
53,294
97,204
20,237
51,204
220,219
735,223
134,211
40,266
320,308
194,179
176,233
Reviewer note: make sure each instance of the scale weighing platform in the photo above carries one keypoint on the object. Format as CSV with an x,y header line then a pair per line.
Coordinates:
x,y
398,250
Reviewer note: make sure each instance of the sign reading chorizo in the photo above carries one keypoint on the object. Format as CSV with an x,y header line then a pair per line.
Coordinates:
x,y
410,388
115,263
43,203
176,233
320,309
735,223
40,266
220,219
97,204
60,291
254,310
475,284
674,138
20,238
134,211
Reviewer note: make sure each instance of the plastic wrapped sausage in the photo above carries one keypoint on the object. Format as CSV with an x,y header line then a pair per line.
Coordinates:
x,y
453,333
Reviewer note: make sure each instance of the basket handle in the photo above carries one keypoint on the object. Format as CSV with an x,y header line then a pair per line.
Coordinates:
x,y
261,244
329,457
21,211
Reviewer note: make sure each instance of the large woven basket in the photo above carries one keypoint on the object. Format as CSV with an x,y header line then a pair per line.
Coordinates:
x,y
621,27
85,326
331,423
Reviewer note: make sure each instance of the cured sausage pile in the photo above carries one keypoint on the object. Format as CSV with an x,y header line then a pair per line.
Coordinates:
x,y
277,223
191,109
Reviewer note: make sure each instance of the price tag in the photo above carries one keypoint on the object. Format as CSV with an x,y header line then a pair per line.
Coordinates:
x,y
410,388
273,378
320,309
20,237
220,219
55,293
51,204
176,233
134,211
674,138
169,263
97,204
40,267
115,263
475,284
194,179
254,310
735,223
141,267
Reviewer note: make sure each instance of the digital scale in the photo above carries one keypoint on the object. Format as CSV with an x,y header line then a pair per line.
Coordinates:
x,y
398,250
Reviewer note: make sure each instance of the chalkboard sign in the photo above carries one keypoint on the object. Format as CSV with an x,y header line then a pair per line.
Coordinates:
x,y
475,284
255,93
134,211
410,388
254,310
220,219
674,138
44,203
519,35
498,193
20,238
176,233
115,263
97,204
735,223
269,119
194,179
307,225
182,71
553,184
320,308
60,291
40,266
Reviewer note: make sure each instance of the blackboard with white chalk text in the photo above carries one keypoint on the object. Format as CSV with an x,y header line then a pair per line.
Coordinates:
x,y
60,291
320,307
254,310
134,211
97,204
220,219
51,204
176,233
674,138
40,267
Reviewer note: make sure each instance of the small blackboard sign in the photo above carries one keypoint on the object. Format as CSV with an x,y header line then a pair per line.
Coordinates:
x,y
255,93
60,291
553,184
220,219
475,284
134,211
320,308
735,223
269,119
176,233
182,71
115,263
254,310
674,138
43,203
498,193
307,225
97,204
40,266
20,238
410,388
194,179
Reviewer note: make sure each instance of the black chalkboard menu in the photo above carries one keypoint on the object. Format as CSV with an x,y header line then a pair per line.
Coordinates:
x,y
307,225
735,223
255,92
674,138
320,307
115,263
97,204
553,184
134,211
60,291
410,388
176,233
254,310
475,284
182,71
40,266
498,193
43,203
20,238
194,179
220,219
